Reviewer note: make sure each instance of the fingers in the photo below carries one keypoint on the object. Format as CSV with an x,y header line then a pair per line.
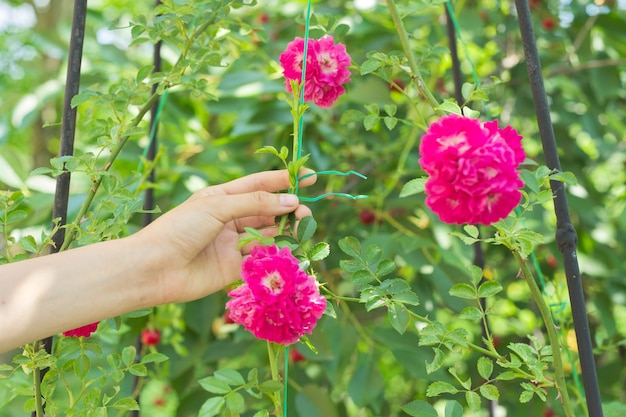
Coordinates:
x,y
270,181
258,203
258,222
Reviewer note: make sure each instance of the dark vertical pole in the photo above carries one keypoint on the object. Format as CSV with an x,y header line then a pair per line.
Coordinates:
x,y
148,201
566,237
457,77
68,121
68,130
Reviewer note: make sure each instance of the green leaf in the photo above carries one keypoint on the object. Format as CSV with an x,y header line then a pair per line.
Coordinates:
x,y
320,251
363,276
154,357
306,228
399,317
350,246
129,353
489,288
415,186
525,396
230,376
566,177
212,407
453,409
236,402
467,89
126,404
214,385
471,313
268,149
471,230
370,121
440,387
490,392
473,400
463,290
369,66
485,367
390,109
419,408
450,107
436,363
82,366
373,254
29,244
507,376
476,274
385,267
390,122
138,369
271,386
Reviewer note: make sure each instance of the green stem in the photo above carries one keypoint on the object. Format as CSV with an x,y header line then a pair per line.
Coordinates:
x,y
273,355
97,181
404,40
552,335
37,384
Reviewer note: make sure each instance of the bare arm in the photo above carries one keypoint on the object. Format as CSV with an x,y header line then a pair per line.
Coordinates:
x,y
186,254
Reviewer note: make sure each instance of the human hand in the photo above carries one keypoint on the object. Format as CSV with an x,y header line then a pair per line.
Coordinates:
x,y
194,247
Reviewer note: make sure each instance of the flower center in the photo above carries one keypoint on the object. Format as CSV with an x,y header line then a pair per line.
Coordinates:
x,y
274,282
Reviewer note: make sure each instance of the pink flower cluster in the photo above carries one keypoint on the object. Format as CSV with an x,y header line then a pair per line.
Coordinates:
x,y
326,69
82,331
472,167
278,301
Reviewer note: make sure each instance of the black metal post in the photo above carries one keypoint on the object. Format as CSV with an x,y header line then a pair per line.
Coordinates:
x,y
68,130
566,237
148,201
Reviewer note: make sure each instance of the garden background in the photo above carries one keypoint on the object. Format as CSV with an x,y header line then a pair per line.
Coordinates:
x,y
225,102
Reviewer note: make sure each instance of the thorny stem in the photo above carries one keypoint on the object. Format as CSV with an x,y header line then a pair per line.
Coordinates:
x,y
415,72
273,356
552,335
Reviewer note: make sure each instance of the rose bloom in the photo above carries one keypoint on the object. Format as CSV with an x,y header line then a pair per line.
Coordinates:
x,y
472,168
278,301
326,69
82,331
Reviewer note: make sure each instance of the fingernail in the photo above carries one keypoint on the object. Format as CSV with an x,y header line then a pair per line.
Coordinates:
x,y
288,200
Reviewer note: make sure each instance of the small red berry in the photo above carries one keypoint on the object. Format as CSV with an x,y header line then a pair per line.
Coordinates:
x,y
367,216
264,18
551,261
548,412
549,23
150,337
397,85
296,356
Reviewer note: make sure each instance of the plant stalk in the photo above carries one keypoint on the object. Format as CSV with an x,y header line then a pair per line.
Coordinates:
x,y
552,335
273,356
404,40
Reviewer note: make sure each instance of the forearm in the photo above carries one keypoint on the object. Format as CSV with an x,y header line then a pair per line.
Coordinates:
x,y
51,294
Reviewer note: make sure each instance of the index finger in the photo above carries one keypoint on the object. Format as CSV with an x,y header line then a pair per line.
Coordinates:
x,y
270,181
